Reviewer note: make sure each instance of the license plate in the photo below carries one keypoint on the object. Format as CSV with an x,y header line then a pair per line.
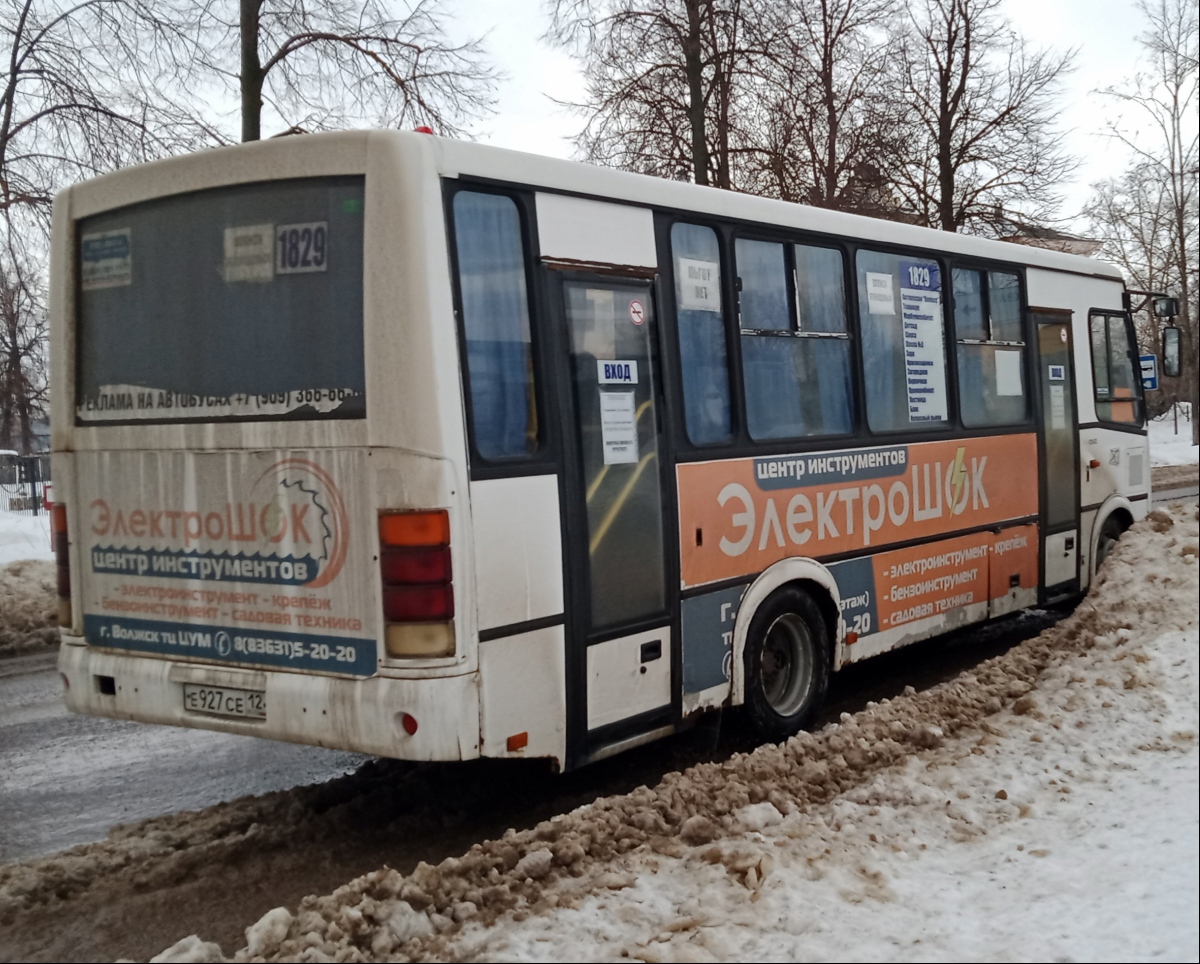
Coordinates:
x,y
223,701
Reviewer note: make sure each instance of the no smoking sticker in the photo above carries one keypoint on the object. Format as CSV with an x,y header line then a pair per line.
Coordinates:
x,y
637,313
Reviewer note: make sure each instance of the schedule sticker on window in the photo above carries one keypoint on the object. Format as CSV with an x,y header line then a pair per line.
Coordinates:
x,y
924,348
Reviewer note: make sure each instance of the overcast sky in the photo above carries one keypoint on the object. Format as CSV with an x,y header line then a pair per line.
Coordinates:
x,y
1105,31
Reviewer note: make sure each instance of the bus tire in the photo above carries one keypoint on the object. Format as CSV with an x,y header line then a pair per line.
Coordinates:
x,y
1110,532
786,663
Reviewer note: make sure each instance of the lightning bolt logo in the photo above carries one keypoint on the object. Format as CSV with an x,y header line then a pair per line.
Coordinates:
x,y
958,478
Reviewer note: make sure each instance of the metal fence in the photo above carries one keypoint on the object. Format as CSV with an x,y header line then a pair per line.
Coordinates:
x,y
24,480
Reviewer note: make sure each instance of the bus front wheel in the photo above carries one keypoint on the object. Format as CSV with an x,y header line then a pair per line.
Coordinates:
x,y
786,663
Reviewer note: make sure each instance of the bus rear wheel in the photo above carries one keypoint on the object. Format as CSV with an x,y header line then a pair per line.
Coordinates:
x,y
787,664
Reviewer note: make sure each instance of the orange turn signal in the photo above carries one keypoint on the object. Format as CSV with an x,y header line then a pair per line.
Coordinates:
x,y
415,528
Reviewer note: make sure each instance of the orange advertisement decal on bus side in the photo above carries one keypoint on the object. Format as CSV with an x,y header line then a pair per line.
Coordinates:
x,y
903,586
739,516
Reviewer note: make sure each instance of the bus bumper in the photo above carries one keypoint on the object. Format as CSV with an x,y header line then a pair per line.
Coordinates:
x,y
361,715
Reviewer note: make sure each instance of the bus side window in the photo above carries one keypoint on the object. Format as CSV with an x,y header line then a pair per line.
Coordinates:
x,y
795,349
495,309
903,341
991,348
704,365
1118,384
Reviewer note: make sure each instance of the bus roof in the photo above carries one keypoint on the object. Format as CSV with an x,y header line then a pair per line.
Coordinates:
x,y
456,158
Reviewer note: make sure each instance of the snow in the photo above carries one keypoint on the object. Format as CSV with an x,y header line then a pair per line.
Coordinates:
x,y
1043,806
1168,448
24,536
190,950
1066,829
267,933
28,607
1089,855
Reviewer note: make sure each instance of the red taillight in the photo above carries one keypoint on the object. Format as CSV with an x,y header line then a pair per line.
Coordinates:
x,y
422,565
409,722
62,560
418,604
417,575
58,526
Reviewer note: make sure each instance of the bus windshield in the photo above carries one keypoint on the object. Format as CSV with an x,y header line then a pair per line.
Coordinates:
x,y
236,303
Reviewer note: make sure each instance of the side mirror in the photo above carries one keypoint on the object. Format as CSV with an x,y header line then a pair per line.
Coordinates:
x,y
1166,307
1170,351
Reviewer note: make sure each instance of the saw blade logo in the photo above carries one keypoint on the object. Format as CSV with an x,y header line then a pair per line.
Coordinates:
x,y
299,482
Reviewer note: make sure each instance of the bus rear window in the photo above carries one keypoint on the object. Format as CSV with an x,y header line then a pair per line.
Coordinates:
x,y
235,303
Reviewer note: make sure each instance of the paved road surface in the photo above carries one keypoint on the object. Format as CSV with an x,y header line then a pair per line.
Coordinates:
x,y
66,779
1176,493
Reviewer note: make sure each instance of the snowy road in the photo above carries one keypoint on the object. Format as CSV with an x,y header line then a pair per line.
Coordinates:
x,y
66,779
1041,807
1175,493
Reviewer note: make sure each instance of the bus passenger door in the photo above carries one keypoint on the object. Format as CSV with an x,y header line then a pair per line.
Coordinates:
x,y
1058,453
619,652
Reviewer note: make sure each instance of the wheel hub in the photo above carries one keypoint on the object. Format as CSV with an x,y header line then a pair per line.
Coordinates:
x,y
787,664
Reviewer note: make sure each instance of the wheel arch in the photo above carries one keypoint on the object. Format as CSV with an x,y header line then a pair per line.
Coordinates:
x,y
1115,506
810,575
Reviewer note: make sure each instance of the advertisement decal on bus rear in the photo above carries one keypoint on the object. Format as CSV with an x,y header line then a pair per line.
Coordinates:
x,y
738,517
238,558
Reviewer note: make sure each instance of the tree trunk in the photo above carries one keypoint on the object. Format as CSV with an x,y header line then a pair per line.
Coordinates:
x,y
251,76
945,167
693,65
831,121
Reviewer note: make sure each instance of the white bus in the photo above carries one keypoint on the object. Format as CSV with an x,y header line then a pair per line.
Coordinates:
x,y
435,451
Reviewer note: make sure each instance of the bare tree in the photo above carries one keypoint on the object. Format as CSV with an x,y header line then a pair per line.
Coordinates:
x,y
1150,217
23,330
982,106
828,121
85,89
327,64
664,80
1133,215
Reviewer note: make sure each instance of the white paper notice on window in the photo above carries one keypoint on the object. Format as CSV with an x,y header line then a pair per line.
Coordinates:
x,y
249,253
1008,373
618,427
1058,407
880,300
699,284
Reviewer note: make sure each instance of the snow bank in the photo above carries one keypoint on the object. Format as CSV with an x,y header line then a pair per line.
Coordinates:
x,y
24,536
1167,448
1043,805
28,607
28,594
